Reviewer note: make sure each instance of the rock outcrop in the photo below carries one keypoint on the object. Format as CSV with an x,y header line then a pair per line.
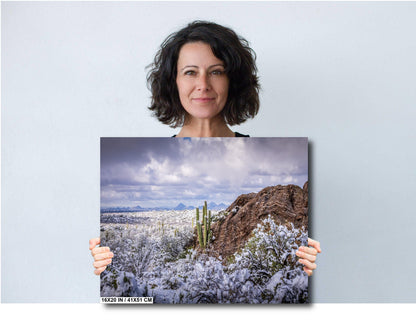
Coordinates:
x,y
286,204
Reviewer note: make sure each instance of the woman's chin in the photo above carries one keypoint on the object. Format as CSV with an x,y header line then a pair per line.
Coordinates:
x,y
203,116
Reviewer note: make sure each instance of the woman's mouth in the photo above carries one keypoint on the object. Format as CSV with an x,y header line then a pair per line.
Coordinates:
x,y
203,99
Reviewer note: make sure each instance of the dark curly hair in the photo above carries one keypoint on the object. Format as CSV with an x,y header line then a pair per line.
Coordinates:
x,y
240,67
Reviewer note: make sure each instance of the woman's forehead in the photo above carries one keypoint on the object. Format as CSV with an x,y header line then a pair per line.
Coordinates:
x,y
197,54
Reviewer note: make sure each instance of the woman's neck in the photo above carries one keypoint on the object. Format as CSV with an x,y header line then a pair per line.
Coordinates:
x,y
205,128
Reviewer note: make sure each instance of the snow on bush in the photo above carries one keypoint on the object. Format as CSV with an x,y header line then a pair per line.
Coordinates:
x,y
154,259
270,256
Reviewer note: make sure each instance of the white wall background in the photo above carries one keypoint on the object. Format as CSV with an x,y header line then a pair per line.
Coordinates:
x,y
342,74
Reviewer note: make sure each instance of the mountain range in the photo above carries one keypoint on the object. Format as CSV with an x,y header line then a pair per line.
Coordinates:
x,y
180,206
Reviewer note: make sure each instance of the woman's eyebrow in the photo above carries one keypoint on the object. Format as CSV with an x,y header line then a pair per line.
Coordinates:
x,y
188,66
221,65
194,66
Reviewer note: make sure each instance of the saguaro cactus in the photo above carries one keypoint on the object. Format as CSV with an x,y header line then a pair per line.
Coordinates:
x,y
204,229
199,228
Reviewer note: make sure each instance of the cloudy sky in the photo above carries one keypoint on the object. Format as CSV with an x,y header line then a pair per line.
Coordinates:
x,y
153,172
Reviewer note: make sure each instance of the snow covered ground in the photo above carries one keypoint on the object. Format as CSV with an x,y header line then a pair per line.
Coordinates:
x,y
153,257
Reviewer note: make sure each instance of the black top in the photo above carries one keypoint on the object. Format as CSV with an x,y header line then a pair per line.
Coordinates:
x,y
237,135
241,135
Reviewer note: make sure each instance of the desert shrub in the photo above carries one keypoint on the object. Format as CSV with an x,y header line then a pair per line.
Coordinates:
x,y
159,264
270,257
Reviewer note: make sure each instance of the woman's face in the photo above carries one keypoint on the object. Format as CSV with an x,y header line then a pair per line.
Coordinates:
x,y
201,80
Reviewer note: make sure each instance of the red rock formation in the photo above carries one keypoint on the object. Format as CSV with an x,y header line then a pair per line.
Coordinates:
x,y
286,204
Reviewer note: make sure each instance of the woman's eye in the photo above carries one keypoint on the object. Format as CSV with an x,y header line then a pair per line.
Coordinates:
x,y
190,72
217,72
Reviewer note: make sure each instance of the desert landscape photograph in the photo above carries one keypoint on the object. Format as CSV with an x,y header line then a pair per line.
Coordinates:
x,y
205,220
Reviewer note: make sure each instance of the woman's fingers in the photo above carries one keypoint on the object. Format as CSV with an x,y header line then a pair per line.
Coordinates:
x,y
306,254
307,263
102,256
308,250
308,271
102,263
98,271
94,242
100,250
315,244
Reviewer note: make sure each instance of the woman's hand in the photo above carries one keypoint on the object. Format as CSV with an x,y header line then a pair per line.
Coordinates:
x,y
102,256
308,255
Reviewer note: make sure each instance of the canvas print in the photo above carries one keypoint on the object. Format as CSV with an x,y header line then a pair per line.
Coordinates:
x,y
204,220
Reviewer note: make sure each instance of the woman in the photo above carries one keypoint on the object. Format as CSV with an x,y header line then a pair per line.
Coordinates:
x,y
204,79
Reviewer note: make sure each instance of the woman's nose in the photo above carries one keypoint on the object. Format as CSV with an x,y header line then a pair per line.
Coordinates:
x,y
203,83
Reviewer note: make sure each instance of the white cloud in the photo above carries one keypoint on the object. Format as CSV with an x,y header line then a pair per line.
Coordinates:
x,y
209,167
187,170
189,193
288,179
